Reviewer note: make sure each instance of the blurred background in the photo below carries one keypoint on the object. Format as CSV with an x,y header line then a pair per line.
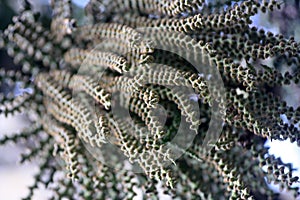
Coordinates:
x,y
16,178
